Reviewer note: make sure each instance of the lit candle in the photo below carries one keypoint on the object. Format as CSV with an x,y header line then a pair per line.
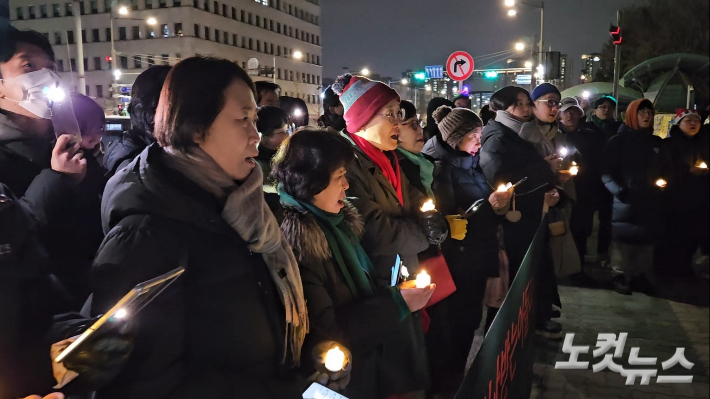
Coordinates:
x,y
702,165
428,206
504,187
574,169
334,360
661,182
423,279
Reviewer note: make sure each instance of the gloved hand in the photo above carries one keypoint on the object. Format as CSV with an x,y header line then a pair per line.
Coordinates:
x,y
434,226
335,380
99,359
457,226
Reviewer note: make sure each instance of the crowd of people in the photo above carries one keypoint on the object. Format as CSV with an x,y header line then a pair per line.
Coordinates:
x,y
296,239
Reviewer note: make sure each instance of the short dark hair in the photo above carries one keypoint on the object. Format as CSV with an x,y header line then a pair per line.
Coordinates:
x,y
410,111
604,99
507,96
264,86
192,97
306,161
289,104
487,114
8,48
270,119
145,94
462,96
330,99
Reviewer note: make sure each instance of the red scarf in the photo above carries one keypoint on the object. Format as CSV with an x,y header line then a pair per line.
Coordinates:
x,y
380,159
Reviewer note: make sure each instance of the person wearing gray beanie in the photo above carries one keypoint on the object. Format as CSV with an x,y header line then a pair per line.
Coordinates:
x,y
458,127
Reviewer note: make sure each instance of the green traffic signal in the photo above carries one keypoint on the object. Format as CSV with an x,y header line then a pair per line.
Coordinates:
x,y
420,76
491,74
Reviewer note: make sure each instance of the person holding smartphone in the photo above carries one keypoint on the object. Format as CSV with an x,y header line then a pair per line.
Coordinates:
x,y
233,325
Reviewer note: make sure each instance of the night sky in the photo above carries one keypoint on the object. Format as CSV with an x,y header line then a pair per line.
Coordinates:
x,y
390,36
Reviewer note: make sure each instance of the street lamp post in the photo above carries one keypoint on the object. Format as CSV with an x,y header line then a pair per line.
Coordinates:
x,y
512,12
79,47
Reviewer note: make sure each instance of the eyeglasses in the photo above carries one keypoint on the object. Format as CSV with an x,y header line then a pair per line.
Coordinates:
x,y
604,107
395,117
550,103
415,124
645,112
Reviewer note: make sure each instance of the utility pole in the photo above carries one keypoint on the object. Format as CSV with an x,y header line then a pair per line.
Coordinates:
x,y
617,62
79,46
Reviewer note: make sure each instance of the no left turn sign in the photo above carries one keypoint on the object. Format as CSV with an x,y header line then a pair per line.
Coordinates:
x,y
460,65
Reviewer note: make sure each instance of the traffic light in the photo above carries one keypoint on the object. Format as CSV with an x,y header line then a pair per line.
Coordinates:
x,y
491,74
615,32
108,58
420,76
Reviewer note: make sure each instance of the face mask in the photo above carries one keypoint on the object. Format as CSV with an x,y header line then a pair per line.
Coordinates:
x,y
33,91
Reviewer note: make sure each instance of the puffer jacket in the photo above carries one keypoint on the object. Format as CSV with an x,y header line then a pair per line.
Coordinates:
x,y
633,161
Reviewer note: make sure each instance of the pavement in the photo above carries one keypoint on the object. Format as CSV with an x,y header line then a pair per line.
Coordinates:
x,y
677,317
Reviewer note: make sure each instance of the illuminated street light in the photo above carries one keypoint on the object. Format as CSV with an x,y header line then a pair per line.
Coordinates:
x,y
427,88
519,46
365,72
509,3
443,91
151,21
123,10
117,74
297,55
528,64
512,13
585,94
404,81
596,59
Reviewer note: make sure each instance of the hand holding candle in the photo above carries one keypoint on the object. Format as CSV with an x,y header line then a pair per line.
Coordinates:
x,y
333,365
504,187
423,279
574,169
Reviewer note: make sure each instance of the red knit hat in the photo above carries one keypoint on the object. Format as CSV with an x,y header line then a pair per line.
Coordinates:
x,y
362,98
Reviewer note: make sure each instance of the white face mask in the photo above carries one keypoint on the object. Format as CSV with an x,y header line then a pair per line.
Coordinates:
x,y
30,91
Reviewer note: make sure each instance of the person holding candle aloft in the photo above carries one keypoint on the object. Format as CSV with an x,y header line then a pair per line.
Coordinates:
x,y
508,154
687,210
346,302
458,183
389,205
636,170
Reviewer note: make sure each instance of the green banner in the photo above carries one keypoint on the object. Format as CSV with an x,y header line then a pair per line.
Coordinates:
x,y
503,367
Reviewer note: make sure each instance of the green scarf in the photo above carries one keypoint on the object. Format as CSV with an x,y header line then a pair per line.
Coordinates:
x,y
600,123
344,245
426,169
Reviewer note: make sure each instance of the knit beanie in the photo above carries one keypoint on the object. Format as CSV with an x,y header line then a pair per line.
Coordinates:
x,y
681,113
601,100
362,98
543,89
455,123
633,109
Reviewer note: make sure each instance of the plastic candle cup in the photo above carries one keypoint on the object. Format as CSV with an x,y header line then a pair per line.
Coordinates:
x,y
334,360
423,279
428,206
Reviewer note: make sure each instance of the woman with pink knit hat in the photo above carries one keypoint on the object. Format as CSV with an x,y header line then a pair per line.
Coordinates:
x,y
394,224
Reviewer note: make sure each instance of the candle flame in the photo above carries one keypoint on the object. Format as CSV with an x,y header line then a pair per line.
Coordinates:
x,y
504,187
428,206
423,279
334,359
703,165
661,182
574,170
564,151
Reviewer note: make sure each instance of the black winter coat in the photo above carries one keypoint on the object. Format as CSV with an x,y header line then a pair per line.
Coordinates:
x,y
506,157
458,183
390,228
121,151
633,161
588,149
218,331
608,128
366,325
690,193
412,171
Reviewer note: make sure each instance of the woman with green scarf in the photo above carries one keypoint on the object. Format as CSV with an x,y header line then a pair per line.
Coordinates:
x,y
418,167
345,301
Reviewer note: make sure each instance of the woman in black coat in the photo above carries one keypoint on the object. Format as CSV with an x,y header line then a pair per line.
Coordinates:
x,y
390,207
687,208
195,199
458,184
507,157
345,303
636,170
